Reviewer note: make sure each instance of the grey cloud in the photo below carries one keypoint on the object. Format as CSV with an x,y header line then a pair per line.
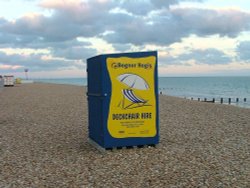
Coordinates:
x,y
208,56
51,29
163,30
166,3
139,7
3,21
72,50
35,62
24,25
58,44
209,22
162,3
8,40
67,22
164,27
74,53
71,21
169,60
122,47
243,50
24,41
142,7
169,26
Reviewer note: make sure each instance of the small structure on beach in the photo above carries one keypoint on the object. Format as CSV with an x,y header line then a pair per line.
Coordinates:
x,y
123,99
8,80
18,81
26,73
27,80
1,82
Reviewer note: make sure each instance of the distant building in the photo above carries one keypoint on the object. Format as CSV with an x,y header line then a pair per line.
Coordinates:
x,y
1,82
8,80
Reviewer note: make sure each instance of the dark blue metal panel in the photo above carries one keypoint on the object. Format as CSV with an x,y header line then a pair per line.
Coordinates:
x,y
95,100
95,119
94,71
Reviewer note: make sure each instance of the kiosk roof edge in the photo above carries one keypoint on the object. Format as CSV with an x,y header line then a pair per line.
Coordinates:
x,y
135,54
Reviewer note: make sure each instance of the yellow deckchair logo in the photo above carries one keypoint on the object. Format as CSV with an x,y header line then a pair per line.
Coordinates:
x,y
132,111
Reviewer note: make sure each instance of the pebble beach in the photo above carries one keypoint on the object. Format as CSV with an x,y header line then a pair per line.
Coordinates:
x,y
44,143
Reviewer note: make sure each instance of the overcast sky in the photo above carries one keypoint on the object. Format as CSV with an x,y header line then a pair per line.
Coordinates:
x,y
53,38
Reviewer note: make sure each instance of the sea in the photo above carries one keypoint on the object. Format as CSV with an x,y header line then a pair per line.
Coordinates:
x,y
235,89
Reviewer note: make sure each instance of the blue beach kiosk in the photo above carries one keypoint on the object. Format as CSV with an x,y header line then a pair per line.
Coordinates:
x,y
123,99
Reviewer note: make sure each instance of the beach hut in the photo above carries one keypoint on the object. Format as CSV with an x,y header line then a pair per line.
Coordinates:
x,y
123,99
18,81
8,80
1,82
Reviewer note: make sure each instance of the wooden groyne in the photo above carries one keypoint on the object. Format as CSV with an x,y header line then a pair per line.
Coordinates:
x,y
221,100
